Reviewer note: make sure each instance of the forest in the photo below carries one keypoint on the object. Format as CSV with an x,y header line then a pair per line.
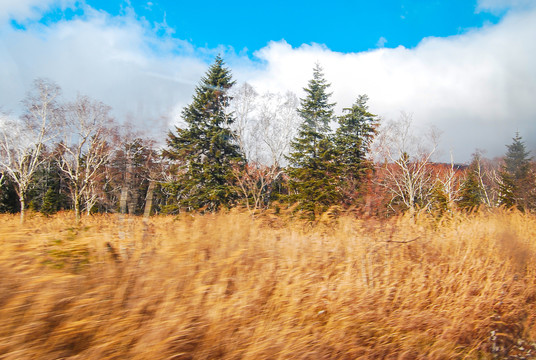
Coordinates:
x,y
284,231
234,147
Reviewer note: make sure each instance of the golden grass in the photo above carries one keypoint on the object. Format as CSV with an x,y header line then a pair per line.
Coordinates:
x,y
227,286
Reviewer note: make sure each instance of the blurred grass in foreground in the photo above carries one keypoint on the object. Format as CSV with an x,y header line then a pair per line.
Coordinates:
x,y
227,286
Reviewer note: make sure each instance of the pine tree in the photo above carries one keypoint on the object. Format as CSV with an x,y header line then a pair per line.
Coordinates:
x,y
205,148
353,139
517,181
311,162
517,160
439,203
471,191
50,202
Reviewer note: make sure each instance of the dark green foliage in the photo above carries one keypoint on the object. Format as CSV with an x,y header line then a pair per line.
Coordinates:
x,y
9,200
316,110
517,158
507,190
440,202
472,191
517,181
205,149
353,139
50,202
171,192
311,160
48,181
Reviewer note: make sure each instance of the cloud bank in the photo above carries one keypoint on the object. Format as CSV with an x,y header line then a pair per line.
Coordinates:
x,y
121,61
23,10
478,88
498,5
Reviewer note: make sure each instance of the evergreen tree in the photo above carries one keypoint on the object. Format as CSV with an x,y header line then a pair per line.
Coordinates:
x,y
353,139
311,160
471,191
9,200
439,203
205,148
517,160
517,181
48,177
50,202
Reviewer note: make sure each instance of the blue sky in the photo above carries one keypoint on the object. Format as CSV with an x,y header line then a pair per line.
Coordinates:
x,y
463,67
345,26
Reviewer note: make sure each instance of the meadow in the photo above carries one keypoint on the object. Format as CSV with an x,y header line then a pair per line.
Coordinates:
x,y
229,286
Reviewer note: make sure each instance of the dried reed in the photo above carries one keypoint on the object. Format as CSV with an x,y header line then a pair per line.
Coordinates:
x,y
229,286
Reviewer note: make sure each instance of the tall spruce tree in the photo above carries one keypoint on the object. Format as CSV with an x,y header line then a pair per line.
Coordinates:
x,y
353,139
205,149
517,181
311,159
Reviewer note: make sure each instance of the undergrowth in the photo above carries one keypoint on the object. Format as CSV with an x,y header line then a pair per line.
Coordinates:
x,y
235,287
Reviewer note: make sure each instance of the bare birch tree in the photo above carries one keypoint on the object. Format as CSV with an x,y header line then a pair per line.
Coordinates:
x,y
85,148
408,176
23,140
243,106
264,124
488,177
448,182
264,127
278,123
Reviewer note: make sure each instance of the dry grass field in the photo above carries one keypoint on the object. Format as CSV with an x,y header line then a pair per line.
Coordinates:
x,y
232,287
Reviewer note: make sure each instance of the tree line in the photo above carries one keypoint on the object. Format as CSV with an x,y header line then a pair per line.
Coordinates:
x,y
235,147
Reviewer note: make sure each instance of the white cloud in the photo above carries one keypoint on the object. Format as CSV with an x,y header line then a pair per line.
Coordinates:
x,y
20,10
478,88
117,60
381,42
498,5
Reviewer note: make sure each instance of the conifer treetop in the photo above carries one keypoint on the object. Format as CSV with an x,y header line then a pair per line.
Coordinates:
x,y
211,97
517,156
357,128
315,109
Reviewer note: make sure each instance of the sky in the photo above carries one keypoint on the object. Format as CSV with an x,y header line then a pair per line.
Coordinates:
x,y
464,67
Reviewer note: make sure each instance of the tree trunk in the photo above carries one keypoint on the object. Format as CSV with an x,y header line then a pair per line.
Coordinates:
x,y
77,205
149,200
22,207
132,202
126,189
123,200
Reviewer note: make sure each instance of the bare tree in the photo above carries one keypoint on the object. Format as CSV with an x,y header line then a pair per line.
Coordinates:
x,y
136,158
488,177
264,124
254,182
85,149
407,174
278,122
448,180
264,127
244,106
485,173
23,140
